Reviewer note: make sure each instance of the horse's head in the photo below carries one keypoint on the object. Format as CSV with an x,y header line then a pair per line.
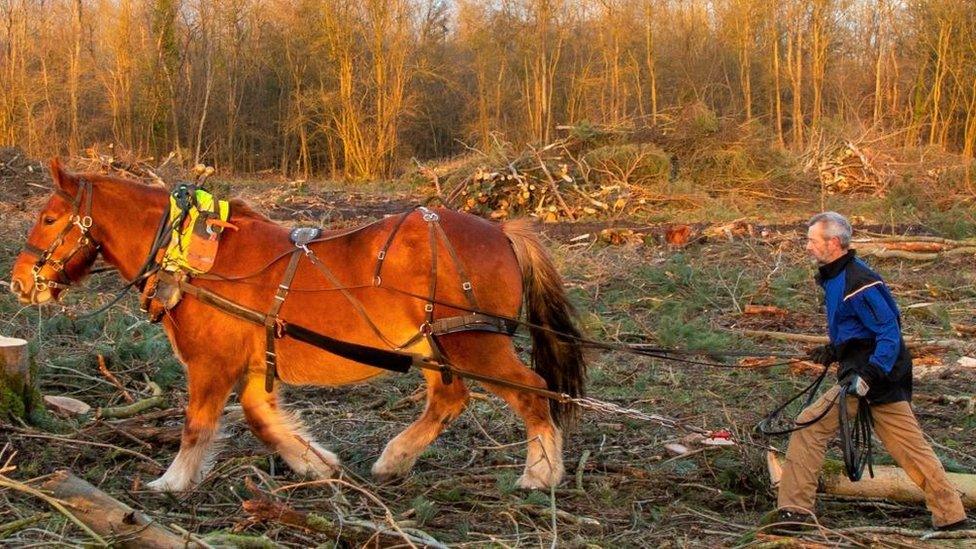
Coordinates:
x,y
60,249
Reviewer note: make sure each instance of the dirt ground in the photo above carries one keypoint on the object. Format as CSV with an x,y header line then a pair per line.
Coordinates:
x,y
623,488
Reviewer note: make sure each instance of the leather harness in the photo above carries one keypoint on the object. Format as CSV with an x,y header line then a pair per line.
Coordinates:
x,y
393,359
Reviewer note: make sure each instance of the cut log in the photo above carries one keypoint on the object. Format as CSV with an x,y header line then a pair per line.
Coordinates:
x,y
109,517
15,381
911,342
764,310
889,483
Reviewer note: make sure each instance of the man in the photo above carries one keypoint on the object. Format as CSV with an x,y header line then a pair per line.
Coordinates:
x,y
865,338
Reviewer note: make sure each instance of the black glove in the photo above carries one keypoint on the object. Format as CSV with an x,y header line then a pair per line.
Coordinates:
x,y
825,354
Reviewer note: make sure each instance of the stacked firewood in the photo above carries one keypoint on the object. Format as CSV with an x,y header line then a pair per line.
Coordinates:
x,y
851,169
561,181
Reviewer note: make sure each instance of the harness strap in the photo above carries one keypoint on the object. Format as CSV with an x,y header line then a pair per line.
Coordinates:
x,y
356,304
80,218
465,280
394,361
473,322
272,323
381,256
437,353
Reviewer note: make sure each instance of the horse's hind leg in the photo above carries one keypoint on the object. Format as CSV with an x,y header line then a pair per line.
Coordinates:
x,y
544,459
283,431
209,385
444,403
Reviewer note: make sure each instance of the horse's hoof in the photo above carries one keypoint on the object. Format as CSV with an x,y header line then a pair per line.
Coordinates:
x,y
161,484
386,473
540,478
531,482
315,462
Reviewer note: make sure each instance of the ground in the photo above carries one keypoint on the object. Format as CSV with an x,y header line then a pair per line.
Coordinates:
x,y
622,488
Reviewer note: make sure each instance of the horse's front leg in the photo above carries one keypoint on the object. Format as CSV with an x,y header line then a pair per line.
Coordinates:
x,y
284,431
209,384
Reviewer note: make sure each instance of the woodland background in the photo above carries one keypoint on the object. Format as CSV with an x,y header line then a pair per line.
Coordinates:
x,y
355,89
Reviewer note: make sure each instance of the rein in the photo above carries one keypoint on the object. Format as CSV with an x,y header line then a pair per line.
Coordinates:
x,y
397,359
855,435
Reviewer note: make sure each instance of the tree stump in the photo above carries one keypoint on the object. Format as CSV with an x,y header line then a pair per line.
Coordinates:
x,y
16,391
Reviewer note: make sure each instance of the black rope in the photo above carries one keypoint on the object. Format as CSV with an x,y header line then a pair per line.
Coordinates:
x,y
855,433
769,426
855,437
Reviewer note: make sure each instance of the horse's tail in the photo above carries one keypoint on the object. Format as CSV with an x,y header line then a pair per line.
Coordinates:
x,y
557,353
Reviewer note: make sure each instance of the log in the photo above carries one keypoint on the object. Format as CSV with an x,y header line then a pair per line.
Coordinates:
x,y
15,381
889,483
109,517
912,342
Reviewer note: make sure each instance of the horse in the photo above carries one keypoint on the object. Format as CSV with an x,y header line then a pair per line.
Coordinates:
x,y
509,270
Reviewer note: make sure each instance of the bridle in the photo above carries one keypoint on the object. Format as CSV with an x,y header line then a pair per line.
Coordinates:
x,y
81,206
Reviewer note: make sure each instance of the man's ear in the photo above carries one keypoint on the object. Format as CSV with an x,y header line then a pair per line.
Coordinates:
x,y
62,179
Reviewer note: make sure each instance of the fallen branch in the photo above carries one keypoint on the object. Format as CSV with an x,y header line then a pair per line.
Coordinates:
x,y
12,527
109,517
136,408
263,509
103,368
968,402
889,253
908,532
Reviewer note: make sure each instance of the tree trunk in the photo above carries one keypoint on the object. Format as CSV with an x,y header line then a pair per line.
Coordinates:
x,y
15,382
109,517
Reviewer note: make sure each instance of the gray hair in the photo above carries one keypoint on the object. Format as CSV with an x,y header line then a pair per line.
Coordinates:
x,y
834,225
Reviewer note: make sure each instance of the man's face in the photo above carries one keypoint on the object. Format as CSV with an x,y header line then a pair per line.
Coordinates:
x,y
821,247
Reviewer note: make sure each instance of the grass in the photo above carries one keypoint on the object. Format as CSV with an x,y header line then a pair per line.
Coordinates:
x,y
463,489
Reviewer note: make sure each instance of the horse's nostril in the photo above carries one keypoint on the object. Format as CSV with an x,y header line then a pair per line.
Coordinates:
x,y
16,286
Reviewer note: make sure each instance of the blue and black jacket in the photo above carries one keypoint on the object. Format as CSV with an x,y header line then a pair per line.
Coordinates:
x,y
865,329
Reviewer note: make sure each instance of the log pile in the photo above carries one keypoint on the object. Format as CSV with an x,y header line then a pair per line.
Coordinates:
x,y
569,179
854,169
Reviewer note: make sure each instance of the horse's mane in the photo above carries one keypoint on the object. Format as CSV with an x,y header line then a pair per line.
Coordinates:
x,y
238,206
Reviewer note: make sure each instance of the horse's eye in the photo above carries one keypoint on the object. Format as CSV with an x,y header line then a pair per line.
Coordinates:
x,y
49,220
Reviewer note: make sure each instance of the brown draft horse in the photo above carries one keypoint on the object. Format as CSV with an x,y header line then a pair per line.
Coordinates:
x,y
220,352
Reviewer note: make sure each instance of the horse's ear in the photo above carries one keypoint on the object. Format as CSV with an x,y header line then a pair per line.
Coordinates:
x,y
62,179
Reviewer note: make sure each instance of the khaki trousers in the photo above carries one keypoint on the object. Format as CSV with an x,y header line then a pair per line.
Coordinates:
x,y
896,426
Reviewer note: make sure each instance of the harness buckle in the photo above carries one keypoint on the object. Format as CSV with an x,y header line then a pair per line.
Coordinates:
x,y
466,286
381,255
85,222
429,216
428,307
